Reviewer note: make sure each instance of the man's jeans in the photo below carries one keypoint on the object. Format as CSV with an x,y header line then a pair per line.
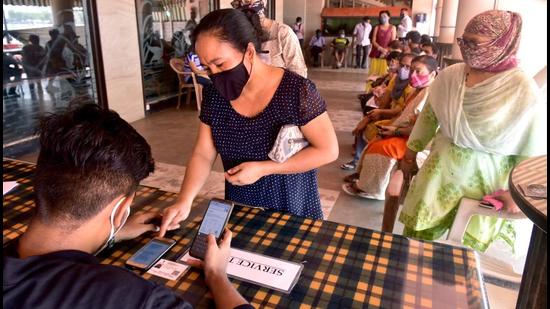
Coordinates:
x,y
361,53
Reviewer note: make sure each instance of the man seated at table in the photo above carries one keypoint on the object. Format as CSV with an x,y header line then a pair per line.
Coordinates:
x,y
89,167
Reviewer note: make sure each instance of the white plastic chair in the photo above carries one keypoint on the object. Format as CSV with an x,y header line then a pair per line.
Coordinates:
x,y
491,265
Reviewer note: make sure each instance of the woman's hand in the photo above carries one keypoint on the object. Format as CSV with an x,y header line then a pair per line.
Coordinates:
x,y
360,126
386,131
374,115
173,215
137,225
509,204
408,165
245,173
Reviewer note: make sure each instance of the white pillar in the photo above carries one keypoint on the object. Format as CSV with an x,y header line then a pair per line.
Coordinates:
x,y
467,9
438,12
448,21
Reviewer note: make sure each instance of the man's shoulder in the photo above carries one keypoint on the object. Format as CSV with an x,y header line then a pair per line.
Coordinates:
x,y
76,278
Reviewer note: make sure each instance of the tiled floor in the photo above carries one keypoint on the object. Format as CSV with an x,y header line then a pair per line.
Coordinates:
x,y
172,132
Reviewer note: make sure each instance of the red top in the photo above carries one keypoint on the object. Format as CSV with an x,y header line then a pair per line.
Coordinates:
x,y
383,38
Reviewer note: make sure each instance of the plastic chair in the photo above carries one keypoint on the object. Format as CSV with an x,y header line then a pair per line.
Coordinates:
x,y
490,265
177,65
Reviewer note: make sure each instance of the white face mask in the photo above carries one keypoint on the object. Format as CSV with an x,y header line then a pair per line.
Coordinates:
x,y
113,231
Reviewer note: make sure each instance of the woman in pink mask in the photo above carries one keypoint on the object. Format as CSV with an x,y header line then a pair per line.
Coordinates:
x,y
383,153
485,116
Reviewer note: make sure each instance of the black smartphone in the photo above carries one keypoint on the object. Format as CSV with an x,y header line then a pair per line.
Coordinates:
x,y
213,222
149,254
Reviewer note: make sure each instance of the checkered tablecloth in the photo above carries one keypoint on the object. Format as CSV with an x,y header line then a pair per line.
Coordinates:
x,y
344,266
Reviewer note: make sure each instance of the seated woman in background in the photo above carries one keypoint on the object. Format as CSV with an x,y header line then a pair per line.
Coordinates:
x,y
382,154
393,65
485,116
391,105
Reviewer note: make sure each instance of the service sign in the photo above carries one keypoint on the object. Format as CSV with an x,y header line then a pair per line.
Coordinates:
x,y
261,269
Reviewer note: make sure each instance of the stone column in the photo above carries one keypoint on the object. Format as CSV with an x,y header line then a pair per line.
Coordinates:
x,y
448,21
62,11
438,12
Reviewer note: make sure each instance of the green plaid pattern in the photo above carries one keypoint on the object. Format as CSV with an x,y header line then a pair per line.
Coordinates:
x,y
344,266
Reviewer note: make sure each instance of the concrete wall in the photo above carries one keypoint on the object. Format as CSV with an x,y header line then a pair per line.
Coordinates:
x,y
532,51
119,42
313,18
293,9
225,4
427,7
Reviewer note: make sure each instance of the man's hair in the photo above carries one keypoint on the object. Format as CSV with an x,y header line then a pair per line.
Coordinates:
x,y
88,157
366,18
396,44
298,19
414,36
435,49
393,55
34,39
430,63
405,55
425,39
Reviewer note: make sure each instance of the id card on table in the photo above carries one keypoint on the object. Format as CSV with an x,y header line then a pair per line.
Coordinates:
x,y
168,270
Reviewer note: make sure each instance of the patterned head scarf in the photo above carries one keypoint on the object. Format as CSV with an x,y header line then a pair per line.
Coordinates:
x,y
256,5
499,54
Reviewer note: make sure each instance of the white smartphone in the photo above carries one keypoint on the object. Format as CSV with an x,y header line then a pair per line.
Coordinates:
x,y
214,221
149,254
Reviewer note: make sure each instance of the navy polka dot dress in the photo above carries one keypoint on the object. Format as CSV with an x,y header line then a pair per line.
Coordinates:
x,y
241,139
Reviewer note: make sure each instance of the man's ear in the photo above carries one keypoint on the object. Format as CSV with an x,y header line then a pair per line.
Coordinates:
x,y
125,202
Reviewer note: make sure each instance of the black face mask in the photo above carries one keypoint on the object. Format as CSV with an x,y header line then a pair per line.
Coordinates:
x,y
230,83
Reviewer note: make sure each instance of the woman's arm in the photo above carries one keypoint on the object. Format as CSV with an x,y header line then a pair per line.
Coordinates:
x,y
198,169
322,149
422,133
393,33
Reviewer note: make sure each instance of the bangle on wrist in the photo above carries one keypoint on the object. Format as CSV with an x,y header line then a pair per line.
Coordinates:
x,y
396,132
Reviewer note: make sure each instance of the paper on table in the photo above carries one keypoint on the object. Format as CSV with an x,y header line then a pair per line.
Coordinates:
x,y
8,185
260,269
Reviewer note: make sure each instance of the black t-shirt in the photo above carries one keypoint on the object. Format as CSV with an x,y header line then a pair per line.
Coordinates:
x,y
75,279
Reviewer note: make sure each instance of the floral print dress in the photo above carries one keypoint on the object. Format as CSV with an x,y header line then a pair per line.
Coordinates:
x,y
449,174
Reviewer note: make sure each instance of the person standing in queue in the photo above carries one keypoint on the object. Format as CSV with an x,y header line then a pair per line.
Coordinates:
x,y
241,116
281,47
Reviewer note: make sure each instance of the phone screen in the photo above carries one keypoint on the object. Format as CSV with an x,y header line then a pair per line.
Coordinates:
x,y
150,252
214,219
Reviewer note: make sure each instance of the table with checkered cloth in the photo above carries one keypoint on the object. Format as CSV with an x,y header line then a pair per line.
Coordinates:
x,y
344,266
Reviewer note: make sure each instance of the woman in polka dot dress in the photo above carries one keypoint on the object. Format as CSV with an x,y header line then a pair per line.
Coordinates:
x,y
241,115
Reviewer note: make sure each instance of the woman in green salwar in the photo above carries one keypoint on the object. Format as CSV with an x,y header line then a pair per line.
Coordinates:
x,y
484,116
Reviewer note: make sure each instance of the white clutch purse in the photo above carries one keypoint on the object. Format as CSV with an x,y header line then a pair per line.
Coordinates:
x,y
290,140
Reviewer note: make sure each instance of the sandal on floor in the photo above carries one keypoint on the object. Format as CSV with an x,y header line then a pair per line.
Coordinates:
x,y
351,178
350,166
351,189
